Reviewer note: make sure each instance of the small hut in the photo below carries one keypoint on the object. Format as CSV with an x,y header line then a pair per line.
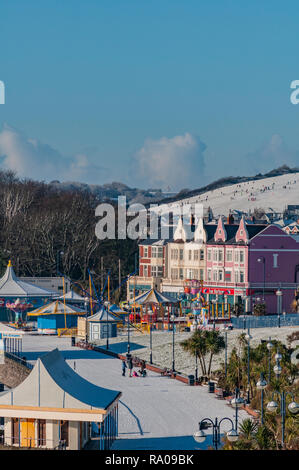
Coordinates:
x,y
55,408
56,315
102,325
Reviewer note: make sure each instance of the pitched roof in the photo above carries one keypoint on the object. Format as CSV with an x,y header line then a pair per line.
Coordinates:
x,y
153,296
54,384
12,286
56,308
103,316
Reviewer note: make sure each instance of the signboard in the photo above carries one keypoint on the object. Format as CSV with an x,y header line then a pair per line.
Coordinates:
x,y
2,302
219,291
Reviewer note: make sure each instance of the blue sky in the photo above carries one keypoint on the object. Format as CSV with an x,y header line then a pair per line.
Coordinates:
x,y
172,93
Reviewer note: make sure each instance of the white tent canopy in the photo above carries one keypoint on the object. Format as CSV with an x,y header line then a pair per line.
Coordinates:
x,y
12,286
53,384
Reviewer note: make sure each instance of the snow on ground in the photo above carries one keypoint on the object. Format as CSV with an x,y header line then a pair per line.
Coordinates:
x,y
162,346
283,190
155,412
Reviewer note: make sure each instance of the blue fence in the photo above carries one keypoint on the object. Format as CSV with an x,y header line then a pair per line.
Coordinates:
x,y
251,321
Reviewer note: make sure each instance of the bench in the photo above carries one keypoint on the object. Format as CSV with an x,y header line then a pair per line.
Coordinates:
x,y
219,394
166,372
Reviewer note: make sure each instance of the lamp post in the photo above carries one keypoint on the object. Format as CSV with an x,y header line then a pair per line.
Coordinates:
x,y
151,342
261,385
248,337
128,332
277,368
269,347
200,436
225,352
279,305
173,352
58,254
261,259
293,407
214,301
237,403
86,301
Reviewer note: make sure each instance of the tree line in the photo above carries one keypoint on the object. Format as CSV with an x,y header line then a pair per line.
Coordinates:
x,y
45,230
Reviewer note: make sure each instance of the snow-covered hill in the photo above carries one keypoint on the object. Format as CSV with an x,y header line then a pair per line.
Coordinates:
x,y
269,194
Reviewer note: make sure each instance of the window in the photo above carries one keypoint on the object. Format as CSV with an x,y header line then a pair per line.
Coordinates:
x,y
220,275
145,252
181,254
145,270
157,271
157,252
275,263
174,254
195,255
228,276
15,431
202,255
64,432
229,255
174,273
209,275
209,254
215,255
242,276
241,256
41,432
236,256
220,255
189,255
236,276
201,274
181,273
214,275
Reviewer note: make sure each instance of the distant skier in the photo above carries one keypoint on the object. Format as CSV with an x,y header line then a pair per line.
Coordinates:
x,y
123,368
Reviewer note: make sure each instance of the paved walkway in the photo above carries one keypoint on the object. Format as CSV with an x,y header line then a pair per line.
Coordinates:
x,y
155,412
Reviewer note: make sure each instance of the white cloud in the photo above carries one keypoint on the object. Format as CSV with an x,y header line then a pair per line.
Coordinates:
x,y
176,162
33,159
271,154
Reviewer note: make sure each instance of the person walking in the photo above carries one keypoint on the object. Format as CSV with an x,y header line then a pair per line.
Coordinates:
x,y
124,366
130,364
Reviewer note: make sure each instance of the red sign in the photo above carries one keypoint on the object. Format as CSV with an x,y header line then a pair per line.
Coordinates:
x,y
219,291
2,302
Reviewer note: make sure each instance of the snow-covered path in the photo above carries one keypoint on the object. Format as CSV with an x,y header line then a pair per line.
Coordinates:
x,y
155,412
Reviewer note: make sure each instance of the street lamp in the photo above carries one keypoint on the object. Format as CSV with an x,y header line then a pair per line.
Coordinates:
x,y
261,385
279,305
151,341
248,337
277,368
58,254
261,259
200,436
173,352
293,407
269,347
237,403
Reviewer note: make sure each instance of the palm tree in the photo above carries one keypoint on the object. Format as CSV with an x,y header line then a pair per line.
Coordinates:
x,y
197,346
215,344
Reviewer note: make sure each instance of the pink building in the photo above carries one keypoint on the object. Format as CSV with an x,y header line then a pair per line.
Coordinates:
x,y
250,263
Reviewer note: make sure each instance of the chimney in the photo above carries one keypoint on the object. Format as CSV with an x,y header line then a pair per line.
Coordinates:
x,y
230,219
192,222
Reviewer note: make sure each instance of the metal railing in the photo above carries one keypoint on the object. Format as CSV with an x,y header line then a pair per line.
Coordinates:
x,y
19,360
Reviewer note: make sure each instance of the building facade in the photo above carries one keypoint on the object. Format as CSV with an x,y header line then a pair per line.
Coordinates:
x,y
239,264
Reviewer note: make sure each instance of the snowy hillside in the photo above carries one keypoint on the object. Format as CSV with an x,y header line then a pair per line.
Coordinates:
x,y
269,193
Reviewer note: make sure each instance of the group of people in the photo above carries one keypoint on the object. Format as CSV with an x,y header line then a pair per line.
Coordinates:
x,y
129,365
